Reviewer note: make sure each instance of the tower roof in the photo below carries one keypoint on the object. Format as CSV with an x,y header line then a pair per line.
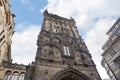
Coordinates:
x,y
46,13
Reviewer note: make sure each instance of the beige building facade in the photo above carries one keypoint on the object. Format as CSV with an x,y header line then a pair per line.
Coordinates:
x,y
12,71
8,70
6,30
111,54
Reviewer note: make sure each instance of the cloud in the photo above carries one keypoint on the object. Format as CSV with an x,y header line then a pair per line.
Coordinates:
x,y
27,4
24,1
93,17
95,39
32,8
24,44
84,11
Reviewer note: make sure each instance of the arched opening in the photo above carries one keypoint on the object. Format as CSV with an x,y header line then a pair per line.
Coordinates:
x,y
22,76
7,75
15,76
70,74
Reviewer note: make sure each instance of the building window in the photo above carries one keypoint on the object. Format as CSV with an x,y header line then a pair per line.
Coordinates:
x,y
57,29
113,30
10,28
1,39
15,76
1,32
22,76
117,61
110,73
118,33
66,51
112,52
7,75
106,65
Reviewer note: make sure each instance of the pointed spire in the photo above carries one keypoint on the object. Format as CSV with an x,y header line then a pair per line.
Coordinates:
x,y
46,12
73,21
72,18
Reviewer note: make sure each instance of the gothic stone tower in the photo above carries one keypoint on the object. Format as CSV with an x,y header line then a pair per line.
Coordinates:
x,y
61,53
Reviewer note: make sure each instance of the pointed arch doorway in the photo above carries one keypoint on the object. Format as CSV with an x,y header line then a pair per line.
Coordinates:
x,y
70,74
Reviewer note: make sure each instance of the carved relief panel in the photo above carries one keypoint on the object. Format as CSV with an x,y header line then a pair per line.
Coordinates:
x,y
51,52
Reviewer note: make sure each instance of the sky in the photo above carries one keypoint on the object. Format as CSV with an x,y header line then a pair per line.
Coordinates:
x,y
93,19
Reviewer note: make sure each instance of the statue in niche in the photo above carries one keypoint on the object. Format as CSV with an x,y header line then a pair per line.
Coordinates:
x,y
47,25
51,53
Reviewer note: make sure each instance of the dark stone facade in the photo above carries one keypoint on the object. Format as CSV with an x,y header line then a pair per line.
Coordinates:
x,y
62,54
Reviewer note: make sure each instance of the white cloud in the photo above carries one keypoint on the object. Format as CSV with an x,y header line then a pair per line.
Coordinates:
x,y
28,5
32,8
95,38
86,11
24,1
94,17
24,44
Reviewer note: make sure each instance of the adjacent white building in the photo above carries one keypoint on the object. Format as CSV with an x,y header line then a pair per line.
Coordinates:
x,y
111,54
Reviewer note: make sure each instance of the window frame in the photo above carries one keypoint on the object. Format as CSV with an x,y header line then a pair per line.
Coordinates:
x,y
7,75
66,51
15,76
22,76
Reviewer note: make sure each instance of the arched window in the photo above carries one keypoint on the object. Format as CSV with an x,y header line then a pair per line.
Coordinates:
x,y
15,76
22,76
7,75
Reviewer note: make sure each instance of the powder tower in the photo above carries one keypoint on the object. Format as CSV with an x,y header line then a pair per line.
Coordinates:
x,y
62,54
